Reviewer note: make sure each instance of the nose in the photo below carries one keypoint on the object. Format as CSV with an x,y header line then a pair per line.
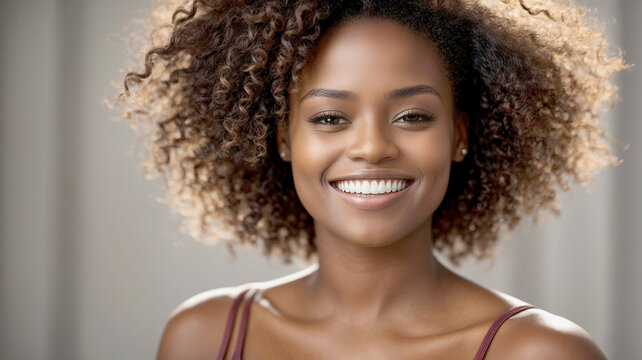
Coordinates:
x,y
372,142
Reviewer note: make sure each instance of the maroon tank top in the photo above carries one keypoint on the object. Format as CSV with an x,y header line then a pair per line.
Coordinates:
x,y
238,349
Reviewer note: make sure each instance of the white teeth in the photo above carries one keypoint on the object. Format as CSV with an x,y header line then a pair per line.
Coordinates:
x,y
371,186
365,187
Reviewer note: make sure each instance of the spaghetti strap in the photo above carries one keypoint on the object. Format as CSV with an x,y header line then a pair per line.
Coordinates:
x,y
483,348
243,329
230,325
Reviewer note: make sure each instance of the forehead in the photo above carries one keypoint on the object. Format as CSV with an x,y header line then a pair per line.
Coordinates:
x,y
374,55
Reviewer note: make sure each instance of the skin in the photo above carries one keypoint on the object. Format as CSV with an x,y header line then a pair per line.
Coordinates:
x,y
377,292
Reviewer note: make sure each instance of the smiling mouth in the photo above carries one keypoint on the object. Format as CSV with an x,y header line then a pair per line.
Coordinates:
x,y
371,188
372,194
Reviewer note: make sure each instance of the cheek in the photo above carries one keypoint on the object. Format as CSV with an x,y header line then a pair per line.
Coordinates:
x,y
312,155
430,153
432,156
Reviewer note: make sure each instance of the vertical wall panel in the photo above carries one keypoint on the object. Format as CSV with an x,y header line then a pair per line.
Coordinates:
x,y
626,205
29,175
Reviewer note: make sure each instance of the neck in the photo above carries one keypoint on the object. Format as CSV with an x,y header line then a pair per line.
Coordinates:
x,y
368,284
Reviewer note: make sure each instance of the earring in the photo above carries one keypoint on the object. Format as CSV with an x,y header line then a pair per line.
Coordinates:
x,y
464,151
282,154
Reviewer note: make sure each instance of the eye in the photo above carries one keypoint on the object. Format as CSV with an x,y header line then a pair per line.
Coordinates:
x,y
328,118
415,116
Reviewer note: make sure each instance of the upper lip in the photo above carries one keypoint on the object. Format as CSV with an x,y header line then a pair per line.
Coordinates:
x,y
372,174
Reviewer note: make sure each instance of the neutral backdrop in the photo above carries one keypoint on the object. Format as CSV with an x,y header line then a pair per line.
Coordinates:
x,y
92,264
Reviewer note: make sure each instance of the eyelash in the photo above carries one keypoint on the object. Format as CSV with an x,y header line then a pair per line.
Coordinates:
x,y
317,119
422,116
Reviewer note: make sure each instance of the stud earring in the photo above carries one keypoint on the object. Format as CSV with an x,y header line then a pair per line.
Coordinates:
x,y
282,153
464,151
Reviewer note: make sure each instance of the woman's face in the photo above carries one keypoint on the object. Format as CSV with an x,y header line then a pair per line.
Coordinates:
x,y
375,104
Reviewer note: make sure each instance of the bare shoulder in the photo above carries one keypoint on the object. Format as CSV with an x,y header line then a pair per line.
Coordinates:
x,y
538,334
196,326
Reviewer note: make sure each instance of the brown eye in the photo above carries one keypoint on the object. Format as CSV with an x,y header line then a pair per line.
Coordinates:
x,y
328,119
415,117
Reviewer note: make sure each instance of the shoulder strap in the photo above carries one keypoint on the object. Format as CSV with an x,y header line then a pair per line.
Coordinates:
x,y
238,351
230,325
483,348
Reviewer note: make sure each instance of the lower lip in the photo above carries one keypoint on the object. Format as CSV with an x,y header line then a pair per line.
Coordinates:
x,y
372,202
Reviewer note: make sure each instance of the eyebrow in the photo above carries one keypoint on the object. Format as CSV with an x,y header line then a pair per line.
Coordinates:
x,y
411,91
336,94
391,95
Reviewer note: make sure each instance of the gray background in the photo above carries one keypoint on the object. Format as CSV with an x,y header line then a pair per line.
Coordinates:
x,y
91,264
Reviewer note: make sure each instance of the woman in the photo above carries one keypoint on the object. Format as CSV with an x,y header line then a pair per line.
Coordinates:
x,y
365,135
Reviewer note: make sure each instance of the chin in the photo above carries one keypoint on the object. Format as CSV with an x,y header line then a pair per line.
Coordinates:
x,y
375,236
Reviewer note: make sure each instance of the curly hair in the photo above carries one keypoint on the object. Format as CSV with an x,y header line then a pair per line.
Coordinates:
x,y
532,78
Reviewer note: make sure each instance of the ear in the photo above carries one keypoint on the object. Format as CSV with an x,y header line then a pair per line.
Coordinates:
x,y
461,136
283,140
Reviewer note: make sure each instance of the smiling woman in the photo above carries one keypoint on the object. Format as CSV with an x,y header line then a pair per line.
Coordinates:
x,y
365,135
398,126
